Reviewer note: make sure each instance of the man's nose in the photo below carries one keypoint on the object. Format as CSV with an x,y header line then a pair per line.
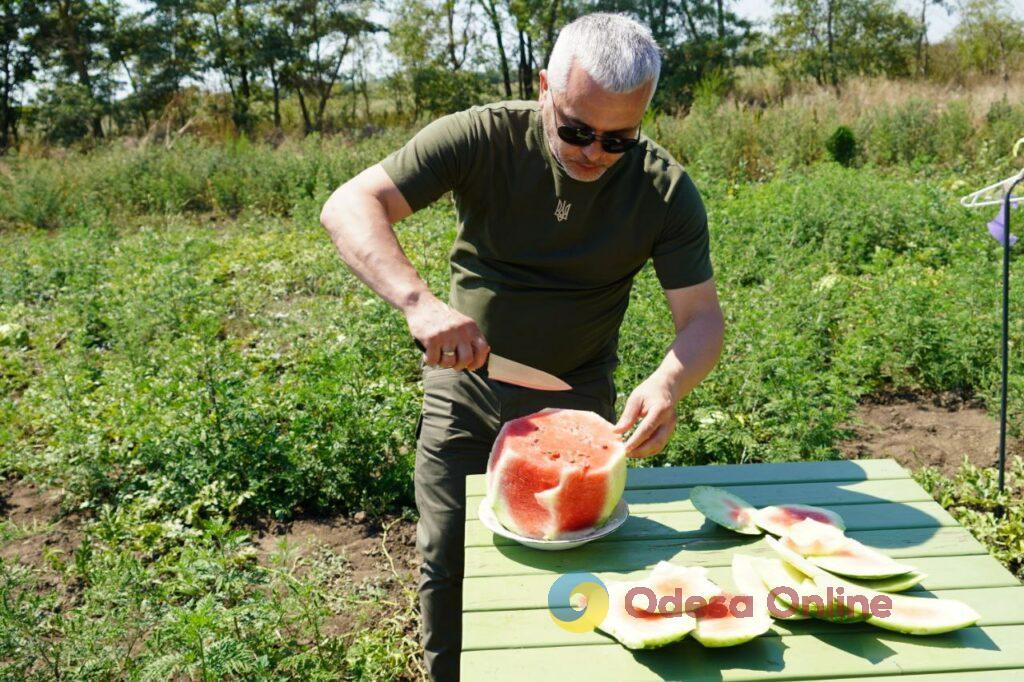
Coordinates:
x,y
592,151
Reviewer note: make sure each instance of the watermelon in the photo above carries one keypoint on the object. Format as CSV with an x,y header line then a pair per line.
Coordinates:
x,y
673,585
641,629
555,472
729,619
896,583
802,594
778,518
827,547
725,509
900,613
748,581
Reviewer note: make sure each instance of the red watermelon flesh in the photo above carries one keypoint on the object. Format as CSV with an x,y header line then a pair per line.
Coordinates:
x,y
555,472
777,519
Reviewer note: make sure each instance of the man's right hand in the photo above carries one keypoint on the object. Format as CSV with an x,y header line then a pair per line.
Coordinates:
x,y
450,339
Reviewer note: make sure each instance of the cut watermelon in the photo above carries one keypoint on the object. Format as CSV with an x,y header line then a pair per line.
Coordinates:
x,y
747,581
897,583
640,629
828,547
777,519
674,585
731,619
725,509
900,613
555,472
802,594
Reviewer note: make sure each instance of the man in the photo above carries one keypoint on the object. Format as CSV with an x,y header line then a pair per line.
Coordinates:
x,y
560,202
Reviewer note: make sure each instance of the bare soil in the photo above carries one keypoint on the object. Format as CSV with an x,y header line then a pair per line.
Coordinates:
x,y
38,511
917,431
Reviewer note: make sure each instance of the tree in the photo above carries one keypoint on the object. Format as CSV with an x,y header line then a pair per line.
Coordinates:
x,y
74,39
699,39
18,19
989,39
832,39
320,33
229,48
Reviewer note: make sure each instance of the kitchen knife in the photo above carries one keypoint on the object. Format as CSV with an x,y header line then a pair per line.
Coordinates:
x,y
512,372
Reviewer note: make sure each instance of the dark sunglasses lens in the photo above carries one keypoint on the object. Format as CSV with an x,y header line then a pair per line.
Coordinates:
x,y
575,136
617,146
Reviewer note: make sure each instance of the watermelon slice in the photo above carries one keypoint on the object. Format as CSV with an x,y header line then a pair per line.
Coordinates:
x,y
555,472
673,585
731,619
641,630
896,583
909,615
805,595
725,509
777,519
828,547
810,537
748,581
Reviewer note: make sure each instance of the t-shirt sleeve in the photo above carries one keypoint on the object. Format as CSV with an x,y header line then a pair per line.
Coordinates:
x,y
437,159
682,255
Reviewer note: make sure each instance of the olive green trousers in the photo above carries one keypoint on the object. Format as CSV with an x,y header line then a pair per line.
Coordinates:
x,y
462,413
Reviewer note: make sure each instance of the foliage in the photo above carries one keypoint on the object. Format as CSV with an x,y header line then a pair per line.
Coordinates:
x,y
995,517
842,146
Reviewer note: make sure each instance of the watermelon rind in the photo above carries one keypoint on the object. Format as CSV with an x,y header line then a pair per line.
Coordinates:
x,y
727,510
897,583
727,630
811,537
777,574
768,519
910,615
666,577
647,632
747,581
859,561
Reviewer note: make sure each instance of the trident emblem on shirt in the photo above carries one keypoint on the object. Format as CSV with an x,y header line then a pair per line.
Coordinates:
x,y
562,210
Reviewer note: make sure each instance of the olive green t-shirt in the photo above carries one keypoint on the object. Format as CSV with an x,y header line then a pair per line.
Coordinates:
x,y
544,263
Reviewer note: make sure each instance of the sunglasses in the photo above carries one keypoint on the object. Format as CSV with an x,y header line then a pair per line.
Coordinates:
x,y
581,136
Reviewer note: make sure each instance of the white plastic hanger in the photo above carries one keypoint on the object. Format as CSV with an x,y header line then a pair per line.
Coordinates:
x,y
986,197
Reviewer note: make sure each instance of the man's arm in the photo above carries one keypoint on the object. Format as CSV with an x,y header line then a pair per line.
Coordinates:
x,y
694,352
358,216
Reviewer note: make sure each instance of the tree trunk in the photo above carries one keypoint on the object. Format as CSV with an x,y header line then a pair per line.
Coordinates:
x,y
830,38
549,34
522,65
492,13
275,84
528,76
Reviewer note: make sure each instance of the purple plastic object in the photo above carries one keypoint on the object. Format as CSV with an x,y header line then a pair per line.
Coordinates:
x,y
997,226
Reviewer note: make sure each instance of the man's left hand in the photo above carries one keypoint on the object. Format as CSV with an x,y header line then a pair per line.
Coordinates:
x,y
652,400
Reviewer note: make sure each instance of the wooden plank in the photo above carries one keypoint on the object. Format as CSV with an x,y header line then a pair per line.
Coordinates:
x,y
536,628
857,492
661,525
819,656
740,474
631,555
504,593
1009,675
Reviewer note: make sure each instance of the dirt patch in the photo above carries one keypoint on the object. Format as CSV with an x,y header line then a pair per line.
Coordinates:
x,y
917,431
33,517
378,557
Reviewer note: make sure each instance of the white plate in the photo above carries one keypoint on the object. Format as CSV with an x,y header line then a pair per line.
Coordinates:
x,y
574,539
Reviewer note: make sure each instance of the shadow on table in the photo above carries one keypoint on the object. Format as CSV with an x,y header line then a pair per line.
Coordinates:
x,y
688,660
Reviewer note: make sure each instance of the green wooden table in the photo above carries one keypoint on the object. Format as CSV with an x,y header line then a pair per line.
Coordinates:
x,y
508,633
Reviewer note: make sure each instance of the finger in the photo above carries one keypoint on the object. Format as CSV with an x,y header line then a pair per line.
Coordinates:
x,y
448,359
480,351
653,445
465,355
432,355
629,414
647,427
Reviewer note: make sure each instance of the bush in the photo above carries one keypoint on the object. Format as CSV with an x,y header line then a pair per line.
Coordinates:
x,y
842,146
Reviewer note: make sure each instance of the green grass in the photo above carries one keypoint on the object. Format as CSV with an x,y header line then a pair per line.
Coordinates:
x,y
187,352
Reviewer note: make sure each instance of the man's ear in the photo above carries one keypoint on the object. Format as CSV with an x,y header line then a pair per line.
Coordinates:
x,y
543,78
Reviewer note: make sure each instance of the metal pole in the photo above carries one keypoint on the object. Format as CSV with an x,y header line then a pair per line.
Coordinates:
x,y
1006,331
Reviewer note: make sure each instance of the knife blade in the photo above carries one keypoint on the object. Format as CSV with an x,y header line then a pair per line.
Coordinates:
x,y
509,371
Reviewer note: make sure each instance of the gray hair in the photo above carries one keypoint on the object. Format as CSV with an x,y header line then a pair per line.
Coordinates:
x,y
616,51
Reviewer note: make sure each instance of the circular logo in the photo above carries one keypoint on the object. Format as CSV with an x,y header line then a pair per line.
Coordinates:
x,y
578,602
